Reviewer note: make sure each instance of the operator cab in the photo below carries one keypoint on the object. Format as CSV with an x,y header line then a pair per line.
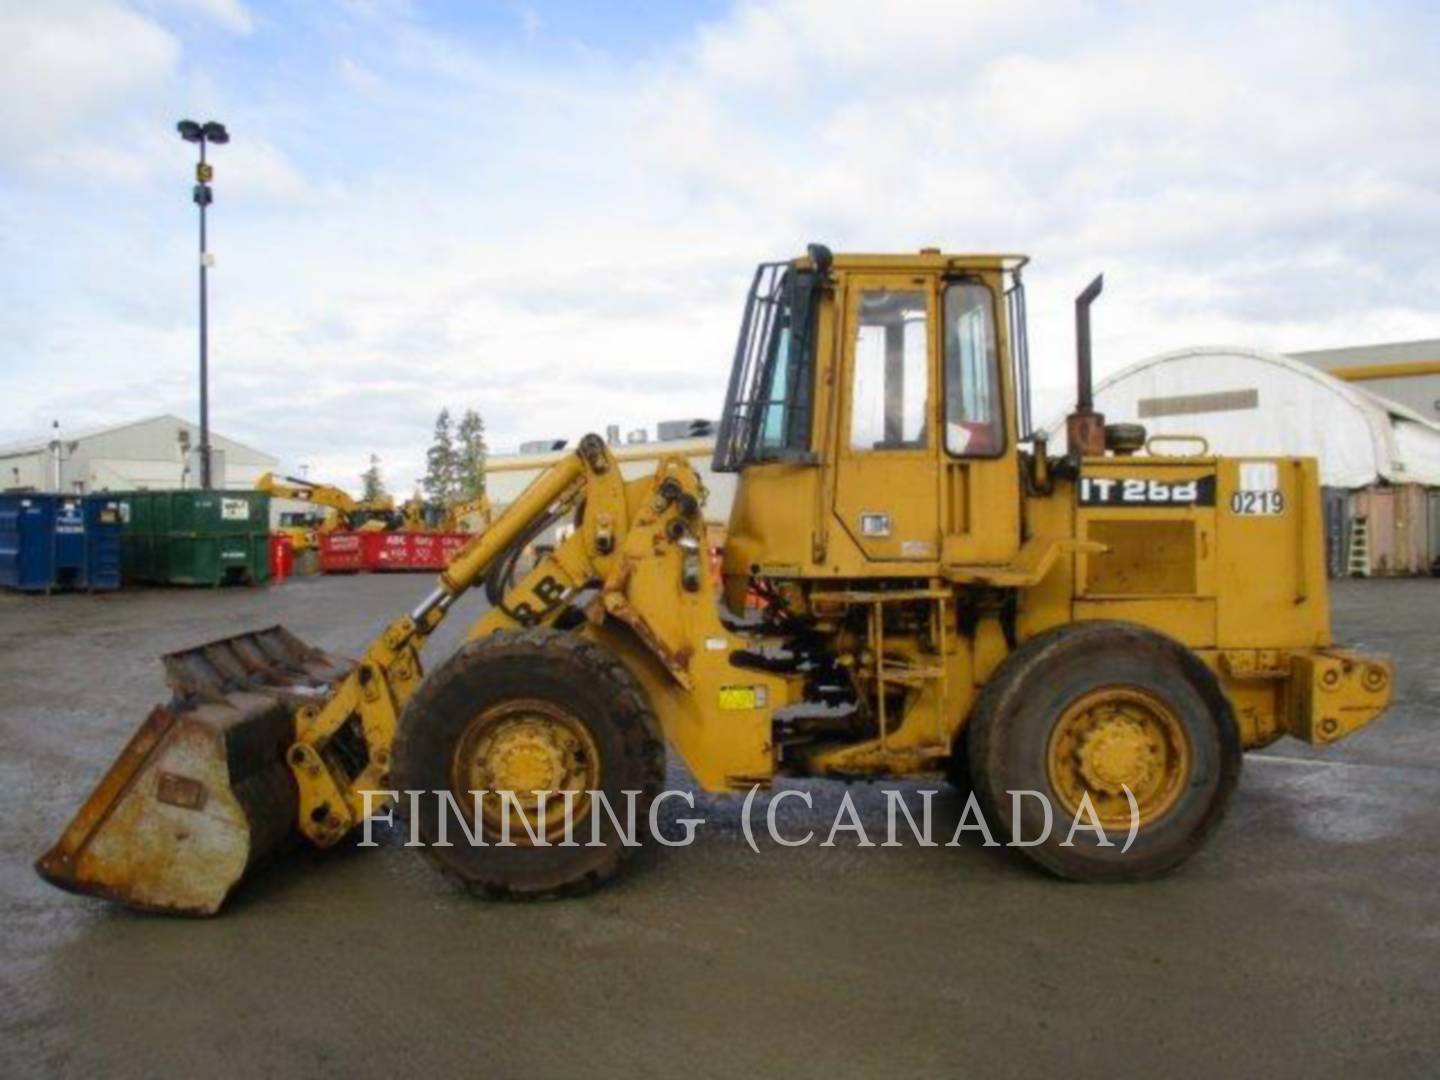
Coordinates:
x,y
863,386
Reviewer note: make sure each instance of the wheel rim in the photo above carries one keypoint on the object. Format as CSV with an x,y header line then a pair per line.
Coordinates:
x,y
534,750
1114,738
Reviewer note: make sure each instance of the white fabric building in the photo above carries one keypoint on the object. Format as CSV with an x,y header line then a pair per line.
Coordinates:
x,y
155,453
1246,401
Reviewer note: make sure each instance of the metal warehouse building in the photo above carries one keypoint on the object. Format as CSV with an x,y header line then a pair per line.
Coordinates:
x,y
1406,372
1379,458
158,452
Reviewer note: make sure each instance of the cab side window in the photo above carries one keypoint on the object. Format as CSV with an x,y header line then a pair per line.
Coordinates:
x,y
891,389
974,416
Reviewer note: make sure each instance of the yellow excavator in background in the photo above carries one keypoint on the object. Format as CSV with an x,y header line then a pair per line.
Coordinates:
x,y
340,510
938,594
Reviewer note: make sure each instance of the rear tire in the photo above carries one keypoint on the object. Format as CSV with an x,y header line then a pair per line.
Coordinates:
x,y
534,709
1080,711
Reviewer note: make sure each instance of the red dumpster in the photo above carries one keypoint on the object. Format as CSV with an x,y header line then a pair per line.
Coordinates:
x,y
435,550
340,553
411,551
425,552
387,550
282,557
348,552
450,545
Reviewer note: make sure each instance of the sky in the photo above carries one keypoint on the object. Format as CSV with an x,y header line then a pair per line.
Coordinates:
x,y
549,212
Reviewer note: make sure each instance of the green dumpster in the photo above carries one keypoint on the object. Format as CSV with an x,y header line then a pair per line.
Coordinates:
x,y
195,537
136,561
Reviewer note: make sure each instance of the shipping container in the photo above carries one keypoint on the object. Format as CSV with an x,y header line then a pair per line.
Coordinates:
x,y
52,542
196,537
1335,503
1435,532
1396,526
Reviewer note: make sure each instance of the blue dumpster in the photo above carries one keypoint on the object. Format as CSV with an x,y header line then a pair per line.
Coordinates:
x,y
59,542
102,542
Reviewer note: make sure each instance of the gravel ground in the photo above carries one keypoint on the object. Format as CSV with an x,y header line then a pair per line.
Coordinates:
x,y
1304,939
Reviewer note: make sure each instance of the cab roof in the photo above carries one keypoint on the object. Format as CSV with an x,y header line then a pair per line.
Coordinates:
x,y
931,260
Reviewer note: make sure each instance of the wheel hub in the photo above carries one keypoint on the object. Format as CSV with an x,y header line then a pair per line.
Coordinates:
x,y
525,757
1117,755
1116,739
530,759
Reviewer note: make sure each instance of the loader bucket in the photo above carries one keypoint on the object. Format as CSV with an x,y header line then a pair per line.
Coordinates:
x,y
202,792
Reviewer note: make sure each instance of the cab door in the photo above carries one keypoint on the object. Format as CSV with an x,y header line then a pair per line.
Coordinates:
x,y
887,478
981,477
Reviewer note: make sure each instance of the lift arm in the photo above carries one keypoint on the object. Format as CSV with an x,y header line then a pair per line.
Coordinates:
x,y
342,746
289,487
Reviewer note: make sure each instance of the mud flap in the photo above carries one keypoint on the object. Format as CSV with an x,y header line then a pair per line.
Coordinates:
x,y
201,793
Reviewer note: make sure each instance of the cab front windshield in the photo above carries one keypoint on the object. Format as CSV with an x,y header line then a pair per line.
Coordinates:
x,y
767,407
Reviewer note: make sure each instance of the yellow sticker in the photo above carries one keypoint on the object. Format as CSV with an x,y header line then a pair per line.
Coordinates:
x,y
738,697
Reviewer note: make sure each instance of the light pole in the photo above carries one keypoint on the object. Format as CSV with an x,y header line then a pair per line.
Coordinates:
x,y
201,134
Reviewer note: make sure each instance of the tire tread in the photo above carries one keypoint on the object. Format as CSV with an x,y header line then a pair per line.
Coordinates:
x,y
628,709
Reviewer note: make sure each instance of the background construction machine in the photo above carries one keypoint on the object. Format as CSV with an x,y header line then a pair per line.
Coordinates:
x,y
339,510
472,515
460,515
938,592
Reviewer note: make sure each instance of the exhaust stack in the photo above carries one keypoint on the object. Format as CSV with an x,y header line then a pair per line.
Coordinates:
x,y
1085,428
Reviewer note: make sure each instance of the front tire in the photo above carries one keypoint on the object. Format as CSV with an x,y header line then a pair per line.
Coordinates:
x,y
1084,712
521,713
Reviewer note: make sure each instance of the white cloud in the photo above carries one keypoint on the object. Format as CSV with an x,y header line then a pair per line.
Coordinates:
x,y
251,167
67,67
233,15
816,42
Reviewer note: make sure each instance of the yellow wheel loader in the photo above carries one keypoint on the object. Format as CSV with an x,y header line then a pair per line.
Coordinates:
x,y
912,584
415,515
303,529
468,515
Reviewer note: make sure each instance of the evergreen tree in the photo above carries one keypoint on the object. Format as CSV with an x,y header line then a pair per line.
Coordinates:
x,y
441,467
372,483
470,455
